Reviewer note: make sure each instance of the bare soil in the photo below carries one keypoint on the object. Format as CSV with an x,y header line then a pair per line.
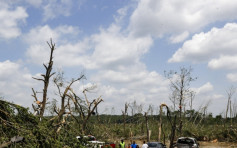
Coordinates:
x,y
217,145
202,144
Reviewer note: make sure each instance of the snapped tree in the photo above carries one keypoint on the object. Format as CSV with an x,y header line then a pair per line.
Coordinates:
x,y
41,104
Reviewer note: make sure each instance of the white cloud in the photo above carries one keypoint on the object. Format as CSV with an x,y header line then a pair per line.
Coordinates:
x,y
122,12
122,75
41,34
224,62
35,3
55,8
113,49
179,38
109,48
7,69
140,85
206,95
204,89
16,83
204,47
10,19
38,36
232,77
159,17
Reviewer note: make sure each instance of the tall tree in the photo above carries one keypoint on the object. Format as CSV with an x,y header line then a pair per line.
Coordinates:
x,y
180,85
45,78
192,96
230,92
125,113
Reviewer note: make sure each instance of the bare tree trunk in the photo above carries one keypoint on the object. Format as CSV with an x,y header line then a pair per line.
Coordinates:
x,y
173,133
230,93
46,78
124,118
192,95
160,124
227,108
147,127
230,113
181,104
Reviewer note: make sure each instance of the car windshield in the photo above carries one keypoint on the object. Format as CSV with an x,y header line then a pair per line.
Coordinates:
x,y
156,145
186,141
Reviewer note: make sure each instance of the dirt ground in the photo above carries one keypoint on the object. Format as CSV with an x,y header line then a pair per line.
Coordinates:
x,y
202,144
217,145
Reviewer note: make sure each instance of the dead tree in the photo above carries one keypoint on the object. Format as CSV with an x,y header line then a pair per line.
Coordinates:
x,y
147,127
173,98
91,106
172,123
85,108
192,95
124,117
65,108
180,83
160,123
230,92
45,78
133,107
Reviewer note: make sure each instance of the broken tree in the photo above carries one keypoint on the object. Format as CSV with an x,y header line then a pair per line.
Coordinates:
x,y
41,104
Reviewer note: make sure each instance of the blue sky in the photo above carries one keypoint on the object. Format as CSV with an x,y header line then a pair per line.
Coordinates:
x,y
123,47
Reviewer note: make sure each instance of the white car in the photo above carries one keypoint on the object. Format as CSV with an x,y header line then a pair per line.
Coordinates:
x,y
92,142
95,144
187,142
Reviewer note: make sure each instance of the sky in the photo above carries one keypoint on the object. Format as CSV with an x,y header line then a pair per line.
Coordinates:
x,y
123,47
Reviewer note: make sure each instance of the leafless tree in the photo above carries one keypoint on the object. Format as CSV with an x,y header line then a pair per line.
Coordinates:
x,y
151,109
234,106
64,93
192,96
180,85
173,98
147,127
84,107
125,113
40,104
88,109
140,108
230,92
133,107
172,123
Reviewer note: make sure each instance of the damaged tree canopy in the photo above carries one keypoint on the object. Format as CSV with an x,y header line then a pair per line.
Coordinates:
x,y
15,120
69,119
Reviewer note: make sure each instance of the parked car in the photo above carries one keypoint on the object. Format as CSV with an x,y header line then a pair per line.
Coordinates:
x,y
156,145
95,144
90,141
187,142
88,138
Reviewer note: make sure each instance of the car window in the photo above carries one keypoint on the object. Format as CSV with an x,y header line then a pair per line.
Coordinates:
x,y
152,144
186,141
160,145
156,145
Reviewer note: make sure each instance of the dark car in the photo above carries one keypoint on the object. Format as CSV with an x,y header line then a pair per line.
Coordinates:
x,y
156,145
187,142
